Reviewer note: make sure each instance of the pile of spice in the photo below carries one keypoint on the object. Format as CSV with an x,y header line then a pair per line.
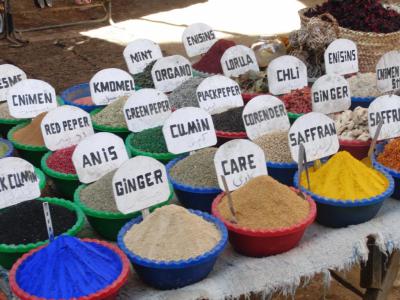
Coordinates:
x,y
144,79
172,233
25,223
298,101
352,125
253,82
345,178
31,134
389,157
69,268
4,112
150,140
360,15
211,61
112,115
363,85
275,146
3,148
185,94
61,161
230,120
84,101
264,203
196,170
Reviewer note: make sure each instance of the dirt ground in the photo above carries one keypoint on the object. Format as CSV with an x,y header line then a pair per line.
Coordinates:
x,y
64,58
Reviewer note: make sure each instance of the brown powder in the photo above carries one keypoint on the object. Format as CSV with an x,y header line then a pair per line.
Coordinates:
x,y
31,134
172,233
264,203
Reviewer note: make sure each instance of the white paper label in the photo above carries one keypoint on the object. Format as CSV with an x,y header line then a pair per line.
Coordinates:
x,y
139,183
188,129
18,181
9,76
140,53
317,132
388,72
29,98
341,57
286,73
170,72
97,155
65,126
218,93
330,94
386,108
198,38
238,60
145,109
108,85
239,161
264,114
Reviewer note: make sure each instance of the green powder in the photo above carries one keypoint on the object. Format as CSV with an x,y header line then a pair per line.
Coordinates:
x,y
112,115
150,140
3,149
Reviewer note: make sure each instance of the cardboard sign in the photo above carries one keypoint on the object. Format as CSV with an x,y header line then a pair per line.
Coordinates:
x,y
238,60
18,181
65,126
386,108
264,114
97,155
188,129
29,98
388,72
330,94
286,73
108,85
218,93
198,38
139,183
9,76
145,109
317,133
239,161
140,53
341,57
170,72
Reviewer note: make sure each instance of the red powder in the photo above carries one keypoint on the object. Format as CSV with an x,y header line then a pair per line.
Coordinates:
x,y
84,101
61,161
298,101
211,61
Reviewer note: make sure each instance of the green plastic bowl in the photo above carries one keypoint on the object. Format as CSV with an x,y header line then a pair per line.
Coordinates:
x,y
42,178
293,117
120,131
108,224
10,253
66,184
162,157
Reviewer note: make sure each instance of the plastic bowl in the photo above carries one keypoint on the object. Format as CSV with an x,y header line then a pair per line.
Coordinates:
x,y
166,275
361,101
7,124
162,157
293,117
76,92
223,136
108,224
283,172
358,149
339,213
10,253
10,150
260,243
66,184
123,132
192,197
42,178
109,292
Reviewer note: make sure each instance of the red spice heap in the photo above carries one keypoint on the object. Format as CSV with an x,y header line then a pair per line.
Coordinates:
x,y
61,161
211,61
360,15
298,101
390,157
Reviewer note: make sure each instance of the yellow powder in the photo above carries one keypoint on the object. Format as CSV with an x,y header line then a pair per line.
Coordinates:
x,y
345,178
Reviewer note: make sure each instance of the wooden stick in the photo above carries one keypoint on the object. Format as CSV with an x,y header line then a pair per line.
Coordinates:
x,y
374,140
230,201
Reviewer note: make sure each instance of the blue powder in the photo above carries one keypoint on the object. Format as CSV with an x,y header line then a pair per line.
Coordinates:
x,y
68,268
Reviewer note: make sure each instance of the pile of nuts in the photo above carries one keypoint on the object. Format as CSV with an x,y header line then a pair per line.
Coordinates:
x,y
352,125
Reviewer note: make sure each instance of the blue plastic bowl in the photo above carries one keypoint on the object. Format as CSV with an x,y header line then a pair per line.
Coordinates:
x,y
10,146
361,101
192,197
167,275
339,213
283,172
76,92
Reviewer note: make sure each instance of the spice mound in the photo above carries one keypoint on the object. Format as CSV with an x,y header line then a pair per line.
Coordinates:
x,y
390,155
363,85
5,113
61,161
24,223
150,140
230,120
345,178
253,82
196,170
185,94
172,233
275,146
352,125
84,101
69,268
144,79
31,134
298,101
3,149
112,115
264,203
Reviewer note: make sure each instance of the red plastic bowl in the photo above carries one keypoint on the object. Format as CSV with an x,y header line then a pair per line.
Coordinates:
x,y
108,293
224,136
359,149
259,243
248,96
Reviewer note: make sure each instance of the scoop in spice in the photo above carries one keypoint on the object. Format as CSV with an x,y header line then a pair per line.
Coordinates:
x,y
112,115
31,134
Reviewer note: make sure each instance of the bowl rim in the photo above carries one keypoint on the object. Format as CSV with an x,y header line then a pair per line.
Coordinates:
x,y
18,145
231,134
363,99
42,178
53,173
64,95
354,143
282,165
